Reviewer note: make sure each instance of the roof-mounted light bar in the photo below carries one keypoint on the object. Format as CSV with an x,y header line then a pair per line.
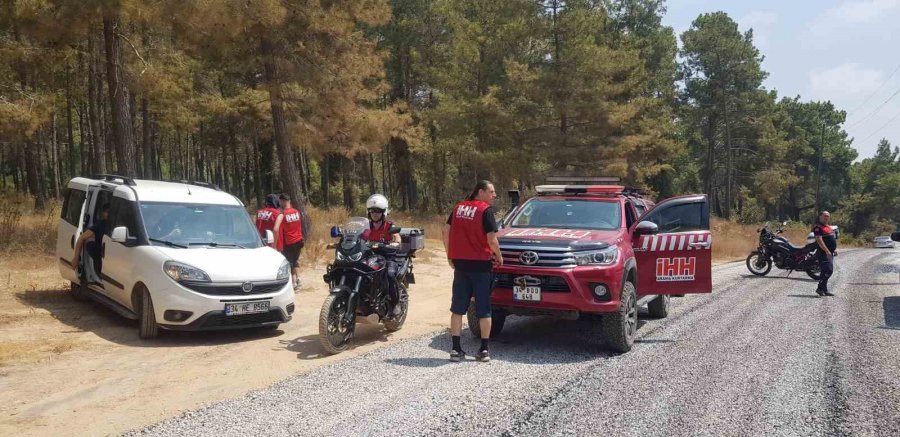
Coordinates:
x,y
583,180
580,189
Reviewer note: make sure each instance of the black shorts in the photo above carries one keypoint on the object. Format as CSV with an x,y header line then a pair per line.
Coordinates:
x,y
292,253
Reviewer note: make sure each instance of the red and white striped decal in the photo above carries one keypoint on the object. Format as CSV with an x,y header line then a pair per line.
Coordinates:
x,y
671,242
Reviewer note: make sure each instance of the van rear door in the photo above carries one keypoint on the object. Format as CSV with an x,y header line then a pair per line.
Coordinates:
x,y
70,225
678,258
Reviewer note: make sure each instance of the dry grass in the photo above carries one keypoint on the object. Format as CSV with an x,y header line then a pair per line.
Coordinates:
x,y
32,351
733,241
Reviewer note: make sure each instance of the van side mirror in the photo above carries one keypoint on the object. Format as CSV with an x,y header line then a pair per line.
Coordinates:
x,y
335,232
120,235
270,237
646,228
895,236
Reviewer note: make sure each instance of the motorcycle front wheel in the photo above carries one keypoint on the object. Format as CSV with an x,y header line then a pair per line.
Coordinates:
x,y
334,334
757,264
394,323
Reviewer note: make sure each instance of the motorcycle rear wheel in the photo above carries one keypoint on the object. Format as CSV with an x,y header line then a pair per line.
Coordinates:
x,y
758,265
814,272
334,337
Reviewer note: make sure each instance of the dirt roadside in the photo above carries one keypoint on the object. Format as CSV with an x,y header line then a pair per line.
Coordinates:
x,y
69,367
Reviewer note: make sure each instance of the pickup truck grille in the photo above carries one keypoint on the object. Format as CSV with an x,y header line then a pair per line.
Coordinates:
x,y
547,256
548,284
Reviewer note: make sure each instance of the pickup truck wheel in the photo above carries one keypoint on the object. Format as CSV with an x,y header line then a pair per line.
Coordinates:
x,y
498,318
659,307
619,328
149,328
79,292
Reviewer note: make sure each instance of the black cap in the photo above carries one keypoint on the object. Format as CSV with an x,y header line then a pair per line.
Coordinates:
x,y
284,196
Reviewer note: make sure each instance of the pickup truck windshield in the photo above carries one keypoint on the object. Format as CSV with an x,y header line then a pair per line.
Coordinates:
x,y
569,214
195,226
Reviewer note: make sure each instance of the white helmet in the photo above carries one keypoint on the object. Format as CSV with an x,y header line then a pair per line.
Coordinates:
x,y
377,201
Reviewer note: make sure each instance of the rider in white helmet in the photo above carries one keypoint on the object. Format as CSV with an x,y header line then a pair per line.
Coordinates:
x,y
380,231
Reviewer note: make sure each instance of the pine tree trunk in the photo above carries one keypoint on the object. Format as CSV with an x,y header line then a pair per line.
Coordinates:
x,y
70,130
146,143
98,144
118,100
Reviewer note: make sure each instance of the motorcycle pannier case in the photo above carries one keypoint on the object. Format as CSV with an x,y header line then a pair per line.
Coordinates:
x,y
412,239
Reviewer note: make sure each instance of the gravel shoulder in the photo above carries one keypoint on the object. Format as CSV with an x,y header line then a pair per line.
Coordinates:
x,y
759,356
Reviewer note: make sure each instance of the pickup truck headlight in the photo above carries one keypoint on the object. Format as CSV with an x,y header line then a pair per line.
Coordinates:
x,y
603,257
284,271
183,272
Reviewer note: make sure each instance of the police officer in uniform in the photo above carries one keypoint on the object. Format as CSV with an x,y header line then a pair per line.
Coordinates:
x,y
380,232
470,238
827,241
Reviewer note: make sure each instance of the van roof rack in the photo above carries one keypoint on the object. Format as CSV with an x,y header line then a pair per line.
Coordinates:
x,y
115,179
197,183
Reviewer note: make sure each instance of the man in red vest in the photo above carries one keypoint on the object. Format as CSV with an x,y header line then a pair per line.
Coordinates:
x,y
292,236
470,238
269,218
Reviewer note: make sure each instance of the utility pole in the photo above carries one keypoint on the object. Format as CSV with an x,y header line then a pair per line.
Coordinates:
x,y
819,165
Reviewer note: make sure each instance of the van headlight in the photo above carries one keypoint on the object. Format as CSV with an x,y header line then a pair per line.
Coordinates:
x,y
183,272
603,257
284,271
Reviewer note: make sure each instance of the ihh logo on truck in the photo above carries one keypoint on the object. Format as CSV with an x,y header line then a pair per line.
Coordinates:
x,y
675,269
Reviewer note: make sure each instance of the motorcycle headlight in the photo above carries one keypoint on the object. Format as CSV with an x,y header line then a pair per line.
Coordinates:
x,y
603,257
183,272
355,257
284,271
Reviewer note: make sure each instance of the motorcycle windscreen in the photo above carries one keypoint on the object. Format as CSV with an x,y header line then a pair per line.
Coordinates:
x,y
678,258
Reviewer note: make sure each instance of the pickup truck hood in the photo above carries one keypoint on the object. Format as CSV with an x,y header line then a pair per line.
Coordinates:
x,y
575,238
229,264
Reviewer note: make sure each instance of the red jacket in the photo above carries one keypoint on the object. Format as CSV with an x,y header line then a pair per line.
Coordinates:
x,y
381,234
265,221
292,226
468,240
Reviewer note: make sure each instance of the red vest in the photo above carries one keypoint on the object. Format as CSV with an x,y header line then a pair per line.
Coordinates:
x,y
265,221
467,238
381,234
292,226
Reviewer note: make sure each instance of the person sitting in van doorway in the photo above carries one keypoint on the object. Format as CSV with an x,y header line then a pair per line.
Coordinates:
x,y
291,230
92,241
470,238
269,218
379,231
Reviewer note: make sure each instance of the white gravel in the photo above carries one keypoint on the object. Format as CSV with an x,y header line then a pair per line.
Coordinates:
x,y
760,356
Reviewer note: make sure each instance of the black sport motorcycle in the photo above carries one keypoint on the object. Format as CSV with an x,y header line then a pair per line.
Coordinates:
x,y
775,249
358,280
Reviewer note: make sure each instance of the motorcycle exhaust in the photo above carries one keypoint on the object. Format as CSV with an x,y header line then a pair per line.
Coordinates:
x,y
371,319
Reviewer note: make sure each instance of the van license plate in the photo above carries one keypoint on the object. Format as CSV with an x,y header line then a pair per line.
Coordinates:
x,y
532,294
234,309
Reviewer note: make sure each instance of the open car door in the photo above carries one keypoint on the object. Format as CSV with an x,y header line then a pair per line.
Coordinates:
x,y
673,247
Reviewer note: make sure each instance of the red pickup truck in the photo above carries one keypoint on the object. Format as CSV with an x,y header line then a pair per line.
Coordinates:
x,y
584,251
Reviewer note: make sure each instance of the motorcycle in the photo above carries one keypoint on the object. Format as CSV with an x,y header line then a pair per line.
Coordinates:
x,y
358,281
777,250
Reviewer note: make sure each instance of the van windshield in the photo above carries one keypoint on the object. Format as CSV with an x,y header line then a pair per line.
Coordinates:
x,y
568,214
197,225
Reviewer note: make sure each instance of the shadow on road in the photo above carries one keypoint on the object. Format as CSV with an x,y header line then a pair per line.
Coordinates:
x,y
308,347
891,307
787,278
805,296
90,316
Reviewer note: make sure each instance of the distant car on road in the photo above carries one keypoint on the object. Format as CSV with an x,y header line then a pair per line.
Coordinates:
x,y
884,241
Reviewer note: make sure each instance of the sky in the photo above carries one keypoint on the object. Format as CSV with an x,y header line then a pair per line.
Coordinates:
x,y
838,50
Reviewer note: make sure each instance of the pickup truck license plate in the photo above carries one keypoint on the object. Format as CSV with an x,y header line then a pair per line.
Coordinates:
x,y
234,309
532,294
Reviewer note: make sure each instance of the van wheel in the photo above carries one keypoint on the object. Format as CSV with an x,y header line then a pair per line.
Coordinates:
x,y
498,319
659,307
79,292
619,328
149,328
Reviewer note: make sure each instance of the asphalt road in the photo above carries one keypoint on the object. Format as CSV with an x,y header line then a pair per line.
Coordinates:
x,y
759,356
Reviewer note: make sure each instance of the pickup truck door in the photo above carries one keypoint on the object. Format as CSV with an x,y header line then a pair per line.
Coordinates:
x,y
677,259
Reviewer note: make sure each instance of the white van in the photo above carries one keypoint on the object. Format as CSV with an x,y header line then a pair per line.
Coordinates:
x,y
175,255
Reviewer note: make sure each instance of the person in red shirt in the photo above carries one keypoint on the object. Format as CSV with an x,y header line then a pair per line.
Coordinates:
x,y
826,239
268,219
470,238
380,231
292,235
